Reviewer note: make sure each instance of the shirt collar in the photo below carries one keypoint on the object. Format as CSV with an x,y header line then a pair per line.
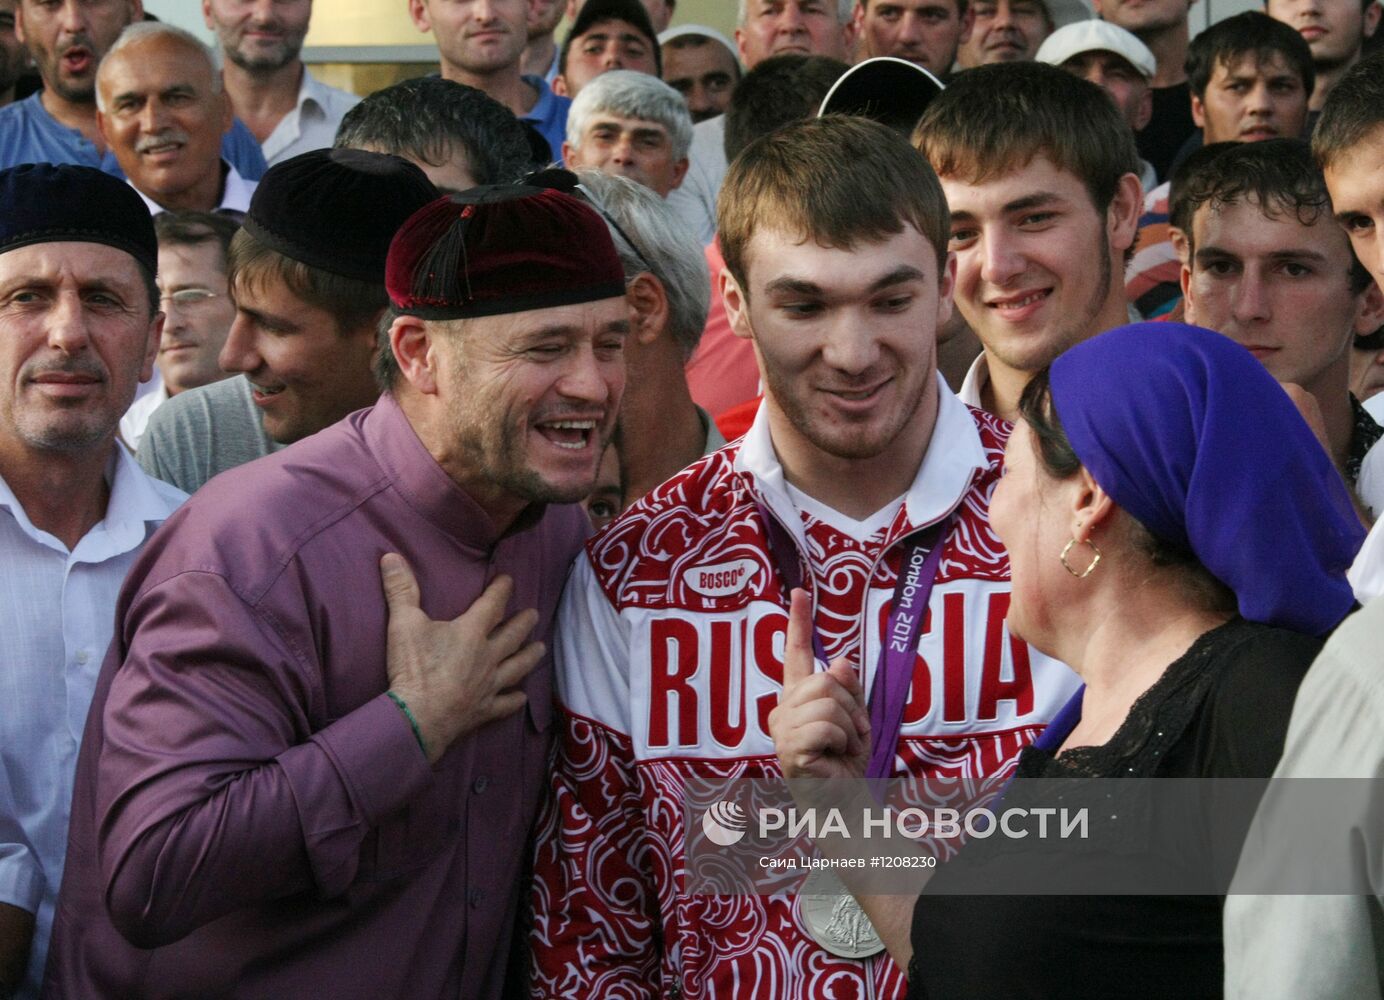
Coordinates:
x,y
136,502
543,107
977,378
426,487
954,455
235,193
313,90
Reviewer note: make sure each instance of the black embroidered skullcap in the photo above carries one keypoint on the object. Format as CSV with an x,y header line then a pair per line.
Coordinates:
x,y
337,209
62,203
502,249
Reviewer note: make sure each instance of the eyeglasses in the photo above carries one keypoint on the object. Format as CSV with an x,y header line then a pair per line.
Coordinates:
x,y
185,298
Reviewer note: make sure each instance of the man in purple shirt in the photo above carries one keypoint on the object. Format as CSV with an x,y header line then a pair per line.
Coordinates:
x,y
295,782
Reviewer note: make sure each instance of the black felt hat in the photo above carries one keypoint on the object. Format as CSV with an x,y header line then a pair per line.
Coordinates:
x,y
337,209
61,203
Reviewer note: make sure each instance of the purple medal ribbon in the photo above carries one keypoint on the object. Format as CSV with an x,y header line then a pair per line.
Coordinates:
x,y
902,632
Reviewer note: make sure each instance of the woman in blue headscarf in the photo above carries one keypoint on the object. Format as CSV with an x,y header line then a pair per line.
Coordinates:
x,y
1178,536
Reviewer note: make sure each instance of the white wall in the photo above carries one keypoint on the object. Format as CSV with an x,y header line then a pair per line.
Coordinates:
x,y
1208,12
186,14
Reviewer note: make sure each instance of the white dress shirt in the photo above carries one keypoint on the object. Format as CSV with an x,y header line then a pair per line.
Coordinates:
x,y
57,612
136,418
235,193
694,200
312,123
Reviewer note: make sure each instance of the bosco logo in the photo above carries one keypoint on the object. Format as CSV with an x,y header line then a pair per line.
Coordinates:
x,y
721,579
724,824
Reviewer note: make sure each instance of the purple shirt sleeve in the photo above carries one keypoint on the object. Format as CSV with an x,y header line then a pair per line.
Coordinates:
x,y
213,792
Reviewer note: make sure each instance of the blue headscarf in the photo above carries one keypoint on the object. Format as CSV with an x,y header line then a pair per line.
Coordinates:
x,y
1186,431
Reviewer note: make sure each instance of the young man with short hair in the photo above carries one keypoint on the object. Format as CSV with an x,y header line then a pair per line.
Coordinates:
x,y
722,374
633,125
1041,176
1012,30
1269,267
308,282
1250,78
925,32
1335,30
459,136
834,232
607,35
481,43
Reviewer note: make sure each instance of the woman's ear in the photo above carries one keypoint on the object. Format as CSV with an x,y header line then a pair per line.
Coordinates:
x,y
1091,506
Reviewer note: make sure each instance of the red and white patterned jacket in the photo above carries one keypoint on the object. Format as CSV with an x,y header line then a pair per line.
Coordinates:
x,y
669,661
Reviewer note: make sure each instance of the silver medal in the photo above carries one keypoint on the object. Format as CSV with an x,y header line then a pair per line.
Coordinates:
x,y
834,919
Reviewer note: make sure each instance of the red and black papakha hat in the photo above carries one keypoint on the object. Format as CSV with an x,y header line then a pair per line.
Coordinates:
x,y
501,249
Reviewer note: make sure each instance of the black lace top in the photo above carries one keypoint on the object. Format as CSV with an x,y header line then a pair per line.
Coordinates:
x,y
1220,710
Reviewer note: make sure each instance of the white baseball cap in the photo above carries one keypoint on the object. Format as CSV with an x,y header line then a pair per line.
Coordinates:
x,y
1097,36
701,30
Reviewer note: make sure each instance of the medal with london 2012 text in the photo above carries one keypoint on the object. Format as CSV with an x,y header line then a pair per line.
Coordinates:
x,y
828,911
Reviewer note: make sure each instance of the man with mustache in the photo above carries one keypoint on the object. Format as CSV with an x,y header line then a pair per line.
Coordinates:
x,y
67,39
79,327
161,108
288,109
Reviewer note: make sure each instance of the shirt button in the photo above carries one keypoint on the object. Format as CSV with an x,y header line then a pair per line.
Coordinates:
x,y
481,784
475,896
82,656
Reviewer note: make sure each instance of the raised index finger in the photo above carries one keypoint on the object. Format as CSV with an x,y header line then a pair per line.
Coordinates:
x,y
799,662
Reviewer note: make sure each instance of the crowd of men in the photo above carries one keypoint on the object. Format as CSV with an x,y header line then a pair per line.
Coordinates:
x,y
315,683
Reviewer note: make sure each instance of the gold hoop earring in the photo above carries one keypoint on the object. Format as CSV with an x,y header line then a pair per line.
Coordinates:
x,y
1087,571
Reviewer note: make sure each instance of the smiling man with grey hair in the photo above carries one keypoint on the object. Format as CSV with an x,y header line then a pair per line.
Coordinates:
x,y
161,108
631,124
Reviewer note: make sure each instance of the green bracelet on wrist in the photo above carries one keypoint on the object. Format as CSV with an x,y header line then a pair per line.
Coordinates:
x,y
412,722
